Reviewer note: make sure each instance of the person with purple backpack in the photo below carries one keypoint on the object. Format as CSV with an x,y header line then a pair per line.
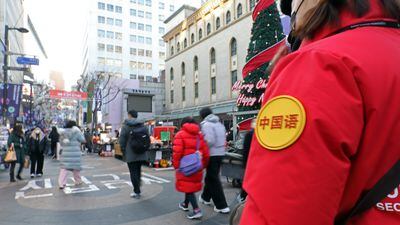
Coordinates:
x,y
190,157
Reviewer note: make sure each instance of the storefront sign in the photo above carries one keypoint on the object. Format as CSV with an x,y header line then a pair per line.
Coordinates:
x,y
247,95
58,94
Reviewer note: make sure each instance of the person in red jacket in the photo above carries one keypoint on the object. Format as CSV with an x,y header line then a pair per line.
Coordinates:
x,y
185,143
329,126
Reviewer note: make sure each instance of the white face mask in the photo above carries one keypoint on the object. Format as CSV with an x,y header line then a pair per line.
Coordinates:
x,y
37,132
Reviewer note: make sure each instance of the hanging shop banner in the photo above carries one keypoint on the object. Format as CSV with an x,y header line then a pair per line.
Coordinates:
x,y
58,94
13,101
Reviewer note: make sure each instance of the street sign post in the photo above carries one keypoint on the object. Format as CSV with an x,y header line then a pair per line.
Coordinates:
x,y
27,61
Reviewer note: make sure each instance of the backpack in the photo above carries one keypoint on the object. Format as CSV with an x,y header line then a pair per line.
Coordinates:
x,y
139,140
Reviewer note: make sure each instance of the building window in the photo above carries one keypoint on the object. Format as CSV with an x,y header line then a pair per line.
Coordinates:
x,y
149,66
110,34
200,34
252,4
161,55
118,36
217,23
183,94
118,9
171,8
118,49
161,18
141,52
149,53
185,43
172,50
148,2
132,25
101,61
183,69
212,56
208,29
141,39
133,38
101,33
117,63
141,65
141,77
233,47
239,10
161,5
149,41
161,43
178,47
140,26
148,28
196,63
110,48
118,22
110,21
133,12
133,65
192,39
101,5
133,76
140,14
141,2
228,17
161,30
196,90
233,77
133,51
148,15
110,8
171,74
172,96
101,19
213,86
101,47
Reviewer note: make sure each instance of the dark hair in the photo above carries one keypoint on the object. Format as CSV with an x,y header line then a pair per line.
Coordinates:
x,y
17,129
54,129
204,112
70,124
188,119
133,113
327,13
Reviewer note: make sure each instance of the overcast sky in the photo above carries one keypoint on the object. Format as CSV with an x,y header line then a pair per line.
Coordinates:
x,y
60,25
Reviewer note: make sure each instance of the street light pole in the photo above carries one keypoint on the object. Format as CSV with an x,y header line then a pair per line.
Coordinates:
x,y
5,78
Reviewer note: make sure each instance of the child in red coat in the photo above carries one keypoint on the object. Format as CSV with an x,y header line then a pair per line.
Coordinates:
x,y
185,143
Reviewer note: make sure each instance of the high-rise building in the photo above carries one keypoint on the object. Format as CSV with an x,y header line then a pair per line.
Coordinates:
x,y
124,38
11,14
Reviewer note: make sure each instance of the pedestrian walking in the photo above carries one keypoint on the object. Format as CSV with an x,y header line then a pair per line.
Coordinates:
x,y
71,139
54,137
135,141
17,140
88,138
189,141
326,146
37,146
214,134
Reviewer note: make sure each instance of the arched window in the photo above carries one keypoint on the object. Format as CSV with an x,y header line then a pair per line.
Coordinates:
x,y
196,63
178,47
192,38
228,17
208,29
212,56
171,74
172,50
239,10
185,43
252,4
233,47
217,23
183,69
200,34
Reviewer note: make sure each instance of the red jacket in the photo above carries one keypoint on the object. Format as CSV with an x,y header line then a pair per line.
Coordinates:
x,y
349,86
185,144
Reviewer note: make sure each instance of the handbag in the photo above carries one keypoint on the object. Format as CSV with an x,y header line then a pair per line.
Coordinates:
x,y
191,164
27,162
11,156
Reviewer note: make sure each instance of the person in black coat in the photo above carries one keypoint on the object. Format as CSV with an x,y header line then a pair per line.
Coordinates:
x,y
55,138
246,151
37,147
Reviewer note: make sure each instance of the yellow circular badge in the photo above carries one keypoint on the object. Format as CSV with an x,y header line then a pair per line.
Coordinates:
x,y
280,122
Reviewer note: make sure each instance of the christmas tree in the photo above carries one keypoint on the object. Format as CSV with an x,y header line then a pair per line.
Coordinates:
x,y
266,36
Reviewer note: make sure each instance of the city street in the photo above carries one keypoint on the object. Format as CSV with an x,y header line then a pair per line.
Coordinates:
x,y
102,199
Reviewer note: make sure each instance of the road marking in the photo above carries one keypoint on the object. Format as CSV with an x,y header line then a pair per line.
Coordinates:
x,y
31,184
157,178
115,177
47,183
